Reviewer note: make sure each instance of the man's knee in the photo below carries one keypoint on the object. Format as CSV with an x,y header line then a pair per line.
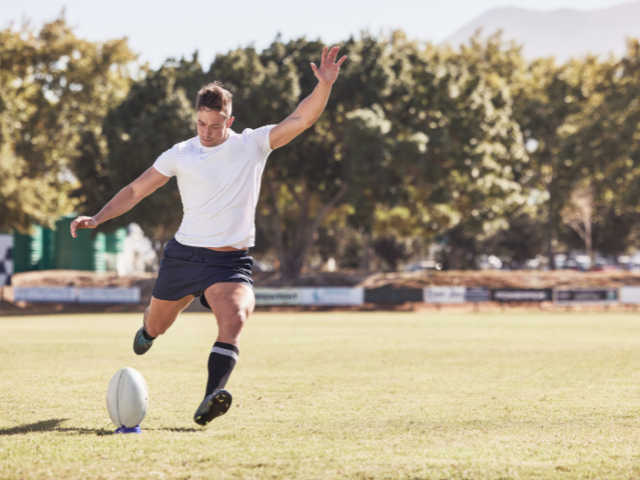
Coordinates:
x,y
233,322
155,330
240,317
153,326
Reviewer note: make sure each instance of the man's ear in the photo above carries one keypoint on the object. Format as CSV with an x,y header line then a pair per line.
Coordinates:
x,y
230,122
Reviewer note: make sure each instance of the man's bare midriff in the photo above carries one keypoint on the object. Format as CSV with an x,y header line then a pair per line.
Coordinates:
x,y
225,249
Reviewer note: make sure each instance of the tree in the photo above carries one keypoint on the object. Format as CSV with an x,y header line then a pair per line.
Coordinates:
x,y
521,241
53,86
607,142
578,214
457,149
25,200
549,102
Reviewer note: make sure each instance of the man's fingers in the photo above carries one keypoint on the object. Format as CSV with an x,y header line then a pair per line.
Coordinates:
x,y
333,54
314,68
81,222
341,61
324,55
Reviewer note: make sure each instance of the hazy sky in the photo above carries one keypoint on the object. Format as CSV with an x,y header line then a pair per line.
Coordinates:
x,y
162,28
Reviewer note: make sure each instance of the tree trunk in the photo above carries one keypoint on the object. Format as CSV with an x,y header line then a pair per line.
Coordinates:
x,y
588,240
548,232
583,224
293,254
454,258
365,260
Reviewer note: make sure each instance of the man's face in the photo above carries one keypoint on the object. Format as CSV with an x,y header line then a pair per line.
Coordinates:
x,y
213,127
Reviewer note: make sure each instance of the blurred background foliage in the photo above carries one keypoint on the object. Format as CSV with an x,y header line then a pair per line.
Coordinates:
x,y
423,151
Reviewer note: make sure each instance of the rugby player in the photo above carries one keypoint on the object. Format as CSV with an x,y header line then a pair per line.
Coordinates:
x,y
219,174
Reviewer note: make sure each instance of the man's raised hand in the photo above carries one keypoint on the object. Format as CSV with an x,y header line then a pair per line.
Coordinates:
x,y
329,68
82,222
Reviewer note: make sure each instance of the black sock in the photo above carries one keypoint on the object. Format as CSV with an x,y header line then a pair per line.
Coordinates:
x,y
222,359
146,335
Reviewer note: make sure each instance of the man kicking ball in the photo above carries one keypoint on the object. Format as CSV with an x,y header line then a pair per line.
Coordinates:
x,y
219,174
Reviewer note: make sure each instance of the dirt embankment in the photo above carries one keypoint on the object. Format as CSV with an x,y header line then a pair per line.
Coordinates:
x,y
489,279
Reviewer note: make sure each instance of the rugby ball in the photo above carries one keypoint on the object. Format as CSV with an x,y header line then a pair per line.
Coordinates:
x,y
127,398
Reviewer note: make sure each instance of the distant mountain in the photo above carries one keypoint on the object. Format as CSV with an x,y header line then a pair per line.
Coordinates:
x,y
561,33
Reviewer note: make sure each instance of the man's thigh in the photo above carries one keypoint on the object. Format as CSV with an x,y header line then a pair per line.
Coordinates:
x,y
162,313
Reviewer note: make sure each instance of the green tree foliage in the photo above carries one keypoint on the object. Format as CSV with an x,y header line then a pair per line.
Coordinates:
x,y
451,145
607,143
549,103
418,143
53,86
521,241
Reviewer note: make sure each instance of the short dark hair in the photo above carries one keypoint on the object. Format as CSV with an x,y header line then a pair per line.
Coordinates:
x,y
214,97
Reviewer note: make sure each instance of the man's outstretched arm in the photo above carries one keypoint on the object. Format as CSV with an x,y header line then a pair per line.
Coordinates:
x,y
311,107
124,200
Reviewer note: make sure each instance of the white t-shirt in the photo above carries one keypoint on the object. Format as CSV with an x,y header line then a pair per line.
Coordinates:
x,y
219,187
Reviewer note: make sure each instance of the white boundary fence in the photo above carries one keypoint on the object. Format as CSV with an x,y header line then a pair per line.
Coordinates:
x,y
109,295
73,295
350,296
45,294
589,296
327,296
629,295
277,296
445,294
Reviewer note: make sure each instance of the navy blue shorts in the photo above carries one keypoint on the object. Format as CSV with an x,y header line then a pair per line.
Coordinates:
x,y
189,270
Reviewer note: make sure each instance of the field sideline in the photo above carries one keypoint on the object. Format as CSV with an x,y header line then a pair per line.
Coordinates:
x,y
331,396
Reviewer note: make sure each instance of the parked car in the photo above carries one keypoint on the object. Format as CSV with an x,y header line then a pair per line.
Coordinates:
x,y
423,265
488,262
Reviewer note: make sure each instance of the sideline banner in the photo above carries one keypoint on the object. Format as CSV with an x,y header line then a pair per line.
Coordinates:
x,y
277,296
477,294
331,296
445,294
630,295
109,295
587,295
45,294
521,295
393,295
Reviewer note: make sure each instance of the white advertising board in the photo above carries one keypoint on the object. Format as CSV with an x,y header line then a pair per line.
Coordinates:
x,y
45,294
445,294
331,296
109,295
277,296
630,295
593,296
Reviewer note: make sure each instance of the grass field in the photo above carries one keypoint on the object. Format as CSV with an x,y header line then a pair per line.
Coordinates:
x,y
331,396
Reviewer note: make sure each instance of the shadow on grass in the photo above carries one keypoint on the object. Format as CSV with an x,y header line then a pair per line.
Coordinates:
x,y
175,429
53,425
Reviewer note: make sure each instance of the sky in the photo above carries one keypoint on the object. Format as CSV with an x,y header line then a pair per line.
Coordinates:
x,y
162,28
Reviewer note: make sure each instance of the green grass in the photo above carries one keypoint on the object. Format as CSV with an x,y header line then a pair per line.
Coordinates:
x,y
330,396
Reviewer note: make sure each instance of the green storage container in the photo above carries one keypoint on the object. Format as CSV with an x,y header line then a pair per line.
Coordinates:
x,y
86,252
115,240
27,250
48,260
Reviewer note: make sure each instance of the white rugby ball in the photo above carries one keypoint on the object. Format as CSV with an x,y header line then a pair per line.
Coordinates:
x,y
127,398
